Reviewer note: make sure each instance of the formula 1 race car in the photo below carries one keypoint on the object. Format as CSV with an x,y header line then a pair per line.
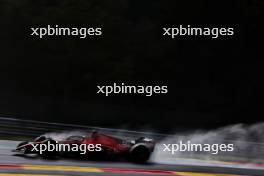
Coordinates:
x,y
95,146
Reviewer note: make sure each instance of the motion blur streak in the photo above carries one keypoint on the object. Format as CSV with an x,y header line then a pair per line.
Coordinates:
x,y
247,139
125,171
199,174
61,168
27,175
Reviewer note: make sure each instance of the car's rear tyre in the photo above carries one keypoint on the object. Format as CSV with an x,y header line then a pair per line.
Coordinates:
x,y
49,154
140,154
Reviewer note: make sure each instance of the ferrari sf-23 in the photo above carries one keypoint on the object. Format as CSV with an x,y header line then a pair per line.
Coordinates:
x,y
100,146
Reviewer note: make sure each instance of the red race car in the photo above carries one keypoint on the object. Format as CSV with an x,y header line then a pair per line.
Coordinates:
x,y
95,146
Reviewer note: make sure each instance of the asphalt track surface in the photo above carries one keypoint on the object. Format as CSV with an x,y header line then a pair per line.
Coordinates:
x,y
14,165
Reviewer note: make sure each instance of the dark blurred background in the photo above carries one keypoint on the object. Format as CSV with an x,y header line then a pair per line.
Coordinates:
x,y
211,82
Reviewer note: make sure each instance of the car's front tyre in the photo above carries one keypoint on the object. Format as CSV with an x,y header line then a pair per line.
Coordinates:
x,y
140,154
